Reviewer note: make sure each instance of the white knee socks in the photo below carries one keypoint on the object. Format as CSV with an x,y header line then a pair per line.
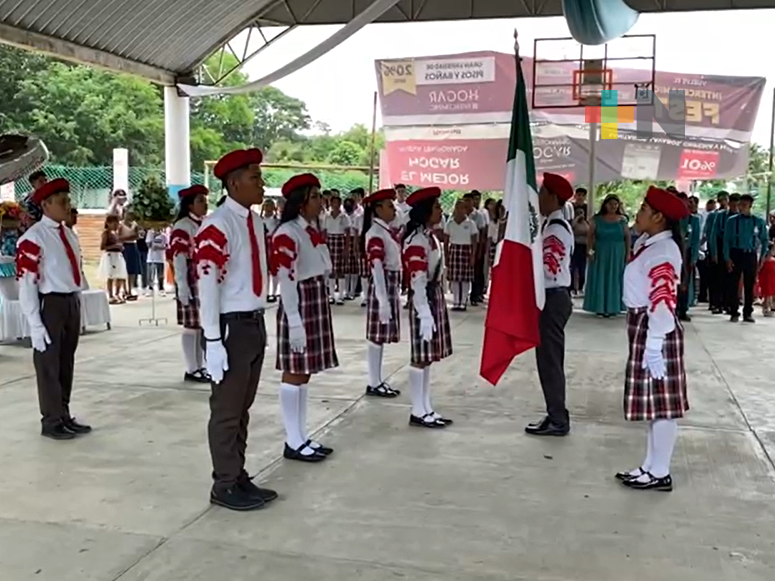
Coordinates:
x,y
465,292
426,391
665,433
649,460
293,402
364,288
191,349
416,391
331,288
456,292
374,357
341,294
273,286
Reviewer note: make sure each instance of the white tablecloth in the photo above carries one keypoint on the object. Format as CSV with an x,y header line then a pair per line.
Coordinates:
x,y
95,310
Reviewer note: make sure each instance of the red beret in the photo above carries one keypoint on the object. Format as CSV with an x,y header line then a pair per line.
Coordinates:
x,y
304,180
49,189
422,195
380,195
667,203
559,186
235,160
193,191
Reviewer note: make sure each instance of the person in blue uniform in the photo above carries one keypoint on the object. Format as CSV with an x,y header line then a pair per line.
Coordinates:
x,y
690,230
716,246
746,244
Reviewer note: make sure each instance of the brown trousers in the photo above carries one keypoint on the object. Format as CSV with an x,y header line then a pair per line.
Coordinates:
x,y
54,368
230,400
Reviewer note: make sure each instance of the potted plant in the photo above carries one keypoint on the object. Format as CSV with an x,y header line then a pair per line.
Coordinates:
x,y
151,204
10,214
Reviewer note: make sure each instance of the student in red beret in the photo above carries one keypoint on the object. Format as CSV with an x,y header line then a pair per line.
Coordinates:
x,y
431,338
232,280
305,335
191,212
383,315
655,382
557,236
48,266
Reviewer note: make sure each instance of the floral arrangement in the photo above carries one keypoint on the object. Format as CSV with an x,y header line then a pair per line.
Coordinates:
x,y
151,204
10,211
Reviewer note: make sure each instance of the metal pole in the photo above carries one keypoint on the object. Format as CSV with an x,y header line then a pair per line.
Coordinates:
x,y
373,143
769,166
592,160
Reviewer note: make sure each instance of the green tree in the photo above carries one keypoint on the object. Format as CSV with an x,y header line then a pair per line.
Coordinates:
x,y
346,153
278,117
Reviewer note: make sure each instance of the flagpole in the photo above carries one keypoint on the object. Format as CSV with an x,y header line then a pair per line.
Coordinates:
x,y
373,143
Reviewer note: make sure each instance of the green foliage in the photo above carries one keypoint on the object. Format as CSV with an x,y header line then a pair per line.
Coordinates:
x,y
151,202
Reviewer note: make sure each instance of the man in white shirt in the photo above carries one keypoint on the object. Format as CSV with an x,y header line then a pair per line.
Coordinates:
x,y
48,265
558,239
233,280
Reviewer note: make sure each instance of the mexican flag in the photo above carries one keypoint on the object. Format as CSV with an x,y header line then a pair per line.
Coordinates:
x,y
517,287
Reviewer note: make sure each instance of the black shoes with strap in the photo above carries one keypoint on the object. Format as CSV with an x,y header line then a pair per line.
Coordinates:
x,y
664,484
426,421
382,390
291,454
198,376
628,474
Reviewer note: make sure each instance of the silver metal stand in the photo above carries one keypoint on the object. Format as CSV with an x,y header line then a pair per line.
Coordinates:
x,y
154,320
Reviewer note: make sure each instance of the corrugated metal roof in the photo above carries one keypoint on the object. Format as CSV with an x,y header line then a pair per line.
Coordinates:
x,y
172,37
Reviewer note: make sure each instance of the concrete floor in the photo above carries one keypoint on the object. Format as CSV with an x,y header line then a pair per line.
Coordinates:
x,y
478,501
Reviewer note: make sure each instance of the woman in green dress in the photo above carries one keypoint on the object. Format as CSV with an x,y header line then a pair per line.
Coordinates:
x,y
608,248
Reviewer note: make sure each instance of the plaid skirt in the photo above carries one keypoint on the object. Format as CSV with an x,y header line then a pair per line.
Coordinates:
x,y
647,399
460,268
440,346
356,262
376,332
336,245
316,316
188,316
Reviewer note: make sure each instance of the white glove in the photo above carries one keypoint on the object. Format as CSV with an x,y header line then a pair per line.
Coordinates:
x,y
216,360
184,295
39,338
427,328
654,361
385,312
297,337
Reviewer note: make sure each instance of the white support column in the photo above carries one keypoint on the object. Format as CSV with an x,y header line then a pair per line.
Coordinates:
x,y
121,169
177,146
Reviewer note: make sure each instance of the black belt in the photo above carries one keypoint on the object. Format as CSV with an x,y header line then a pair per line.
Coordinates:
x,y
64,295
243,315
556,289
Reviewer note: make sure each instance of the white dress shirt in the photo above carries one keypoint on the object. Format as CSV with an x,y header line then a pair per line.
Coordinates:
x,y
422,255
461,234
557,251
477,219
651,280
225,271
336,225
43,267
157,246
356,223
380,244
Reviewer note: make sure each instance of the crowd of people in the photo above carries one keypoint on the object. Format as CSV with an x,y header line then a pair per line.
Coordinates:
x,y
314,250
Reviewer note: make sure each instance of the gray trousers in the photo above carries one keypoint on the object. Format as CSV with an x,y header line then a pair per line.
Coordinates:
x,y
230,400
54,368
550,355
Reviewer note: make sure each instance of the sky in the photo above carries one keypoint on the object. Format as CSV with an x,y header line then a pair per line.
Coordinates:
x,y
339,87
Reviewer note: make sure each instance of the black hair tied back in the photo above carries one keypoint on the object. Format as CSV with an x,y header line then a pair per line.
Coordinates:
x,y
294,202
419,216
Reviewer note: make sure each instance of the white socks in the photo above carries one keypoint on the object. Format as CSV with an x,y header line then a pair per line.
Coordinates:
x,y
456,292
293,402
426,392
273,284
664,437
191,349
364,288
332,288
374,358
416,391
466,291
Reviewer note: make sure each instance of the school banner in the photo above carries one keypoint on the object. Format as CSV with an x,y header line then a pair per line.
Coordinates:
x,y
446,123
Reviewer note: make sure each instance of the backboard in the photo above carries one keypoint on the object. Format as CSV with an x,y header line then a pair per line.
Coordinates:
x,y
567,74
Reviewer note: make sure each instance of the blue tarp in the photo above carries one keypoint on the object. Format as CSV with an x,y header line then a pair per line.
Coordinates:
x,y
595,22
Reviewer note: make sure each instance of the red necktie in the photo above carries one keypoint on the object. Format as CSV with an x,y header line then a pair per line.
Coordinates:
x,y
255,255
315,236
70,256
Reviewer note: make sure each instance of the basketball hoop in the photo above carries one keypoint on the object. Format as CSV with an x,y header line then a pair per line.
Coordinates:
x,y
590,81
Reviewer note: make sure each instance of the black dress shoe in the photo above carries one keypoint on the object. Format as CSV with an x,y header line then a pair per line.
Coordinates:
x,y
291,454
198,376
75,427
235,498
547,427
664,484
627,474
57,432
685,318
427,421
445,421
749,319
382,390
734,319
320,449
253,491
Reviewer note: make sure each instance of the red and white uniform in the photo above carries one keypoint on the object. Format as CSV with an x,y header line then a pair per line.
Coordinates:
x,y
557,251
301,262
461,237
383,253
181,252
224,255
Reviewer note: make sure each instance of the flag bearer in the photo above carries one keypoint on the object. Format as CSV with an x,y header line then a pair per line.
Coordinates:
x,y
655,377
383,318
431,338
232,276
48,268
558,241
746,244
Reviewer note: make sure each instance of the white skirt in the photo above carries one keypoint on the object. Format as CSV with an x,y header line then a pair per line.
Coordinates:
x,y
112,266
